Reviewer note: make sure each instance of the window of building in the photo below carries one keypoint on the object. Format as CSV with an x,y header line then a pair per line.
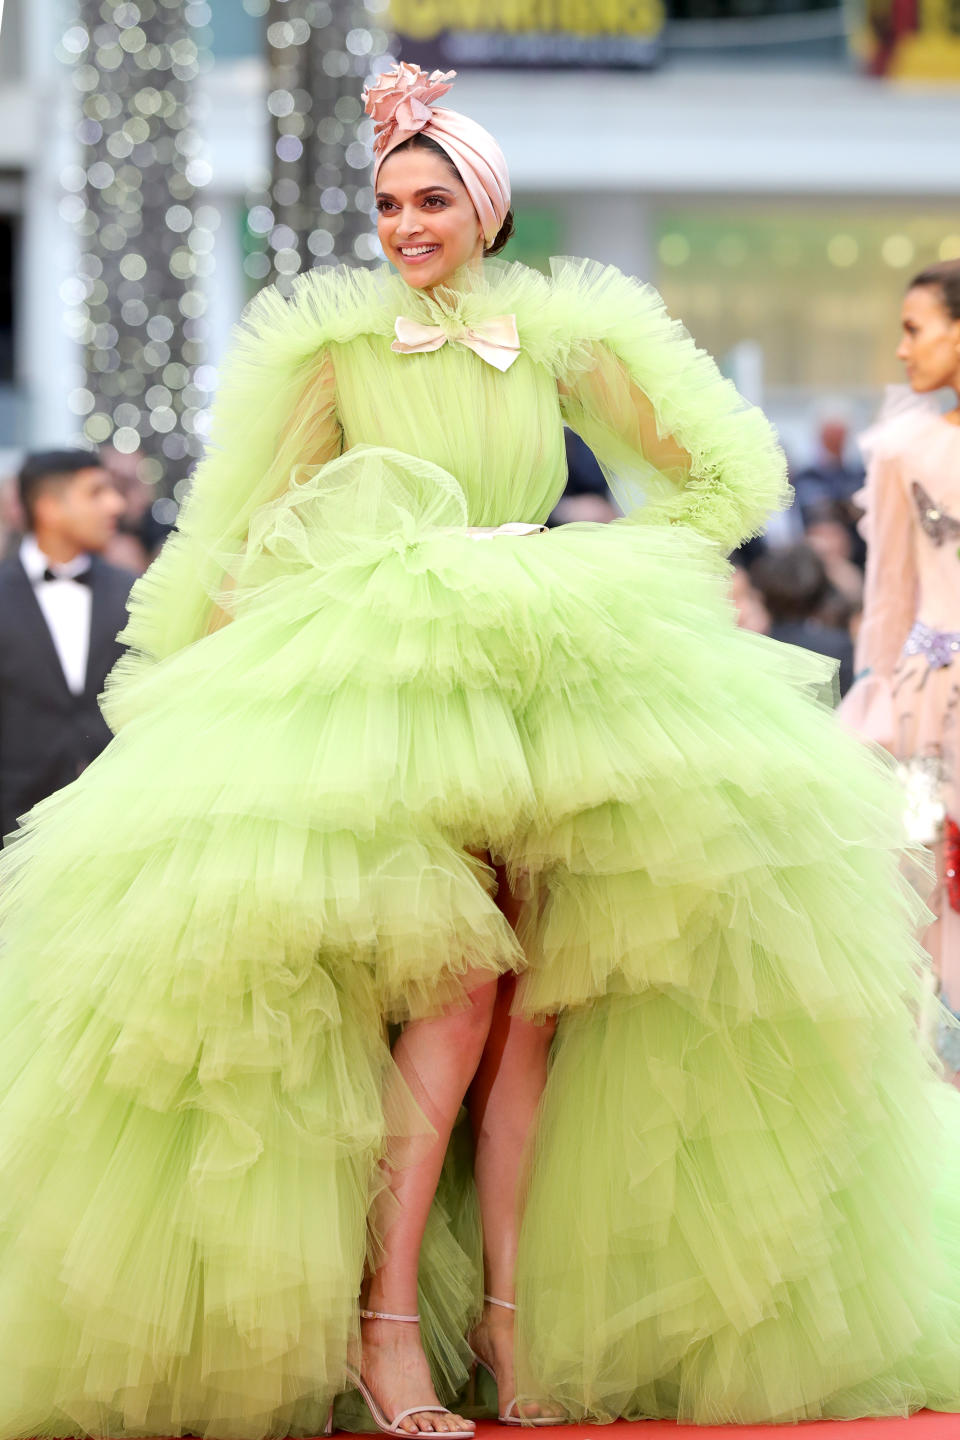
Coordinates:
x,y
817,287
11,410
236,27
538,233
11,39
761,31
7,266
747,10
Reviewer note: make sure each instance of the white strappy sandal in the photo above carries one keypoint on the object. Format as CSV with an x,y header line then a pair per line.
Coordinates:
x,y
392,1427
512,1416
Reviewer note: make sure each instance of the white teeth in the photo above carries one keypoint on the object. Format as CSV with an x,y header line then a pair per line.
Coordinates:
x,y
416,250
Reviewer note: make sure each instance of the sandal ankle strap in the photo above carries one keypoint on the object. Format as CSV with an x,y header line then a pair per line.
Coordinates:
x,y
385,1315
504,1304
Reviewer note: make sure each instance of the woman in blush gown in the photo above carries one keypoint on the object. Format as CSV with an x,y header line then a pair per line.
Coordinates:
x,y
907,695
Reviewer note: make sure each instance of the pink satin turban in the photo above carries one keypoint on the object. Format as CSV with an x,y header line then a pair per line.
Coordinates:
x,y
401,105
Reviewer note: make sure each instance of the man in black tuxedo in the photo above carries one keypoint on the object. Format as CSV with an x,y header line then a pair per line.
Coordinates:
x,y
61,607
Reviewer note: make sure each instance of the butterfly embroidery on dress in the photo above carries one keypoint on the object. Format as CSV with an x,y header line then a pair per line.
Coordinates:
x,y
935,522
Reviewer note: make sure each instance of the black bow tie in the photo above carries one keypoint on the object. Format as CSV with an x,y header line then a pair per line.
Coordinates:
x,y
84,578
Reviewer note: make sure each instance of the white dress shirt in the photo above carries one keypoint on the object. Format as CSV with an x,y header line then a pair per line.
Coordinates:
x,y
66,607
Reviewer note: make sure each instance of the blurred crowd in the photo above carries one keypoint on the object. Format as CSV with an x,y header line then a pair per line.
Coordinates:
x,y
802,583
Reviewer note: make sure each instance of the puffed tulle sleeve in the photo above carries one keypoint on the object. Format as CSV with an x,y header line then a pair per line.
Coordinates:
x,y
672,435
274,418
890,588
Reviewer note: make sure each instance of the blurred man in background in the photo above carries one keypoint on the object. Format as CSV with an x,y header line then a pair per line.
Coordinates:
x,y
832,476
830,533
797,595
827,487
748,603
61,606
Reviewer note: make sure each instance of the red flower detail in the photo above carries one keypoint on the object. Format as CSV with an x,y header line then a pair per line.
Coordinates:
x,y
951,861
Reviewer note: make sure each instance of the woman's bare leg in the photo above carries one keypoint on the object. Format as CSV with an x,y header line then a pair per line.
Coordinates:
x,y
504,1099
437,1059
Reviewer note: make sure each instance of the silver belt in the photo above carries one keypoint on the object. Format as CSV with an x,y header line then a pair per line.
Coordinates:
x,y
488,532
938,647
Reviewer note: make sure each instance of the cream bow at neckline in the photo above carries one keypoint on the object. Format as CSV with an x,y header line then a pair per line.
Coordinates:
x,y
496,340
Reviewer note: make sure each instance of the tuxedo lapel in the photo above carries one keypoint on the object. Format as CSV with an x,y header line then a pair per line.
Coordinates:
x,y
34,631
103,629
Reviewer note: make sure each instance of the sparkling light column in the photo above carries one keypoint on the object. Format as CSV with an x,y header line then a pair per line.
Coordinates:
x,y
137,303
320,203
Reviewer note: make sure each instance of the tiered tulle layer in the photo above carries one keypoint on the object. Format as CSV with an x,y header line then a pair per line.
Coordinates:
x,y
730,1214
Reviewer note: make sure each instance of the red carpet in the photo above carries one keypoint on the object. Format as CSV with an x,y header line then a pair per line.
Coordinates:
x,y
925,1426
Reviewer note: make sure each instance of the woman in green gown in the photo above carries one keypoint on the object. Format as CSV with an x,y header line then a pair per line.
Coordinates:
x,y
387,754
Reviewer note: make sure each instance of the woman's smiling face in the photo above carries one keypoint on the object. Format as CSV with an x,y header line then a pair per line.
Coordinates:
x,y
425,219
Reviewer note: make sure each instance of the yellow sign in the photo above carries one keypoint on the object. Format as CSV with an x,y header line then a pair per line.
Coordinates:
x,y
454,33
424,19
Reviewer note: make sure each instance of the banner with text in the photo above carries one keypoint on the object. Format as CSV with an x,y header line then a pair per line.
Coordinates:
x,y
459,34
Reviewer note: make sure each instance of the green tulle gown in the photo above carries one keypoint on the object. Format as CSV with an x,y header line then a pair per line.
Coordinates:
x,y
743,1199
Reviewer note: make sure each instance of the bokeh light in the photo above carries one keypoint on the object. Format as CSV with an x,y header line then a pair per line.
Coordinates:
x,y
731,250
316,207
898,251
674,249
137,304
842,251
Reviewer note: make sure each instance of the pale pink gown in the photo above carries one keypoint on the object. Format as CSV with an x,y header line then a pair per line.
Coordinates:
x,y
907,692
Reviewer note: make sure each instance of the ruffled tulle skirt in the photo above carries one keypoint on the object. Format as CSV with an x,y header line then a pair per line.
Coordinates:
x,y
742,1192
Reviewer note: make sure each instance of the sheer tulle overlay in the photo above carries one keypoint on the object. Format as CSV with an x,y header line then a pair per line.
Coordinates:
x,y
741,1203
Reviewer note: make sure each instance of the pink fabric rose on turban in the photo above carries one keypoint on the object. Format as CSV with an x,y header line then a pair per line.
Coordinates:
x,y
401,105
401,100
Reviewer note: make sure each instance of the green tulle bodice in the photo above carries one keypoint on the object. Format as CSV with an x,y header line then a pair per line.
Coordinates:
x,y
499,435
313,377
